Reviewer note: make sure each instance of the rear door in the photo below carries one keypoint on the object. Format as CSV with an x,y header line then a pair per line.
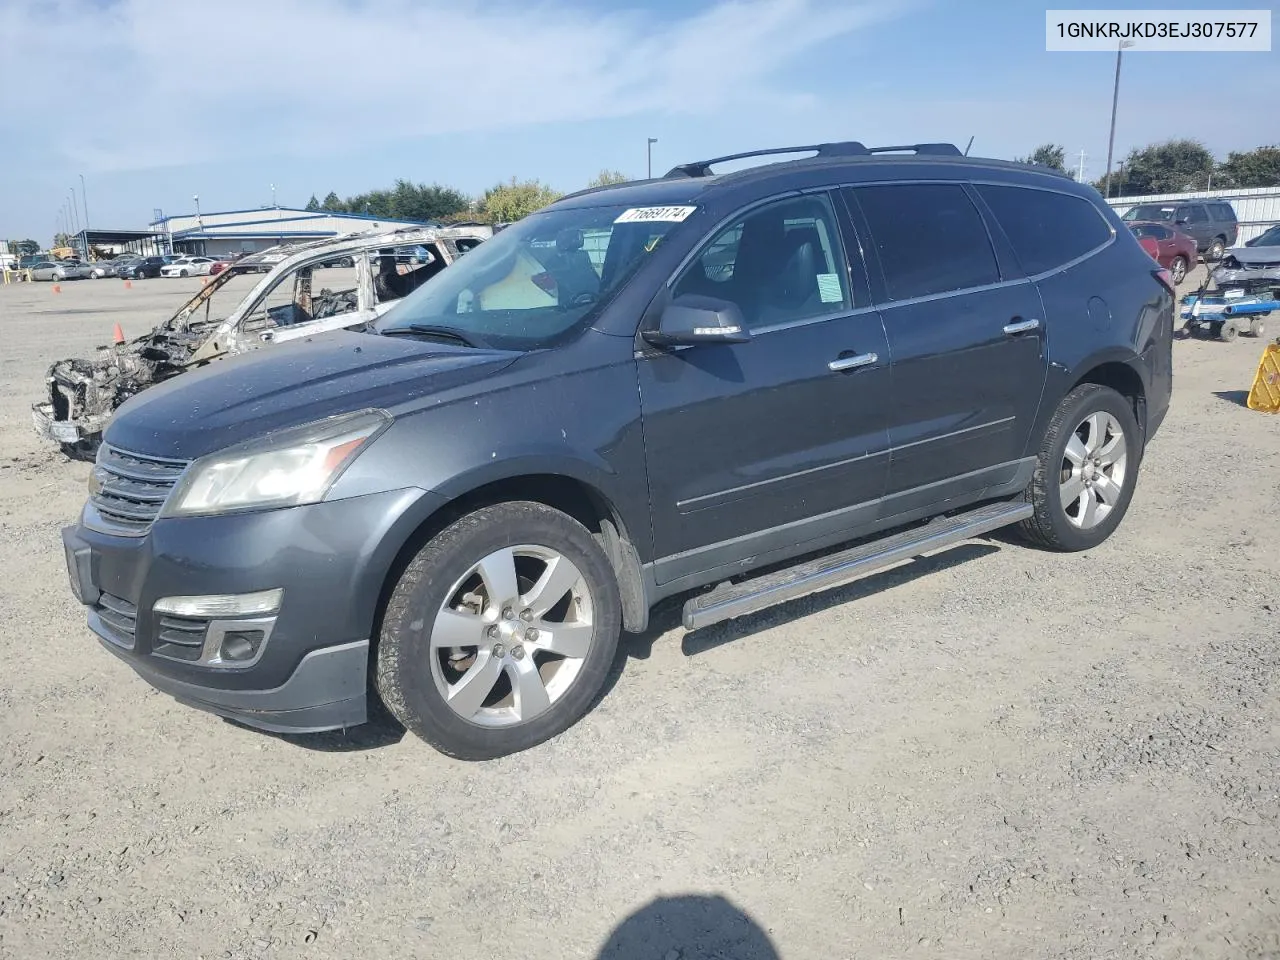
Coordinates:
x,y
966,336
758,446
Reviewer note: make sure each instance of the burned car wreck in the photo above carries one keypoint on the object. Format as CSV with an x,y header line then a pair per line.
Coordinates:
x,y
84,393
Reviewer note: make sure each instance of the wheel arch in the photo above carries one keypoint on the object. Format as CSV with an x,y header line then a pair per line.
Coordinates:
x,y
579,498
1121,377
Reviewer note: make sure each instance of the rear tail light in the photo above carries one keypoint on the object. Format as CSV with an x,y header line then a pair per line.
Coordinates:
x,y
1166,277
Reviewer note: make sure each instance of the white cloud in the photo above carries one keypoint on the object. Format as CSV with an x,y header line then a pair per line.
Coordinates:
x,y
288,76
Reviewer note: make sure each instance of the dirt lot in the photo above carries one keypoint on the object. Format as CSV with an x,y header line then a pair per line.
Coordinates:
x,y
993,752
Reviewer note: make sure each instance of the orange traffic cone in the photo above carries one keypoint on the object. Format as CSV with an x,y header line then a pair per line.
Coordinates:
x,y
128,284
204,281
57,289
118,334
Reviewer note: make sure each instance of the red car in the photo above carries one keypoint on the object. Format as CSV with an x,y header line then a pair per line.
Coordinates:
x,y
1172,249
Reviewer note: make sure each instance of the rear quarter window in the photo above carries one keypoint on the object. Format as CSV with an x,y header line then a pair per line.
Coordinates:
x,y
1222,211
1046,229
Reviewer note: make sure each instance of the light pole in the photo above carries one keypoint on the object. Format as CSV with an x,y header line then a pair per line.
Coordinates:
x,y
273,197
649,154
1115,98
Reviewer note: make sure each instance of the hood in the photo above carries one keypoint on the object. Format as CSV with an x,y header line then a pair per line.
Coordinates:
x,y
1253,256
247,396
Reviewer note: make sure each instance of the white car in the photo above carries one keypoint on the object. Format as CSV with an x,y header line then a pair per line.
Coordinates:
x,y
188,267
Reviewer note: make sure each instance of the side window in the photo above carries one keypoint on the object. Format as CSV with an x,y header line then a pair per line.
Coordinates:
x,y
1193,214
779,263
1047,229
398,271
929,236
1223,211
1162,233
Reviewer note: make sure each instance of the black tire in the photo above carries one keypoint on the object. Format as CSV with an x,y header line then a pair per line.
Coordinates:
x,y
1178,268
182,273
1228,331
1216,249
1049,527
403,667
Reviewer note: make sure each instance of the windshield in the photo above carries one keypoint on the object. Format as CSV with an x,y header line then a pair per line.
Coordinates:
x,y
1268,238
1150,212
538,279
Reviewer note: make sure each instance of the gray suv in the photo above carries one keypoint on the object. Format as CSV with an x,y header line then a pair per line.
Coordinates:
x,y
1211,223
698,385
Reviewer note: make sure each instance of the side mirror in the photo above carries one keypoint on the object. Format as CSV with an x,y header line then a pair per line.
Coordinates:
x,y
693,318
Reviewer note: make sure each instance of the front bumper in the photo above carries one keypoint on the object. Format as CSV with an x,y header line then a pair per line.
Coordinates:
x,y
46,425
330,559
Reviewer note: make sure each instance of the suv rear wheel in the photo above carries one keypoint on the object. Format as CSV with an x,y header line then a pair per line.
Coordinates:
x,y
500,633
1087,470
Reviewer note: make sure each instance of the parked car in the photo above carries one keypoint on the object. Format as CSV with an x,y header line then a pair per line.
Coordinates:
x,y
72,270
1211,222
1252,268
218,266
1170,248
1267,238
83,392
143,267
466,501
187,267
45,270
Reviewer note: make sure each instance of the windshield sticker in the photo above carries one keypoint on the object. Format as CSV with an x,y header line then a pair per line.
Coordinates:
x,y
829,288
651,214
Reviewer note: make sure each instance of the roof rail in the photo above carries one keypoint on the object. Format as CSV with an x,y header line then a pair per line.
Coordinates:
x,y
701,168
932,149
844,148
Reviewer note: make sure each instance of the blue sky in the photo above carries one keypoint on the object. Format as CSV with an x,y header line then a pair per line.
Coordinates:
x,y
346,95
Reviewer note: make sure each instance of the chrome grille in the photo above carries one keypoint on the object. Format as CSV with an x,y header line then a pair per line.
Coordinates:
x,y
128,489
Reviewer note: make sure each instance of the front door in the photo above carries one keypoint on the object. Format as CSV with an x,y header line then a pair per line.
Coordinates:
x,y
757,446
968,348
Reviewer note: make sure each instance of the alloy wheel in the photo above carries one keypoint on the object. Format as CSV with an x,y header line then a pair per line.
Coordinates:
x,y
1094,470
512,636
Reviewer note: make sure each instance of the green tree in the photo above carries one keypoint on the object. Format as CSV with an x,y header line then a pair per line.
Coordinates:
x,y
61,239
1050,155
313,204
518,198
332,203
1168,167
606,177
1256,168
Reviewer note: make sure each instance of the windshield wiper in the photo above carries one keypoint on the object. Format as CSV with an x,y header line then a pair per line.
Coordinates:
x,y
447,334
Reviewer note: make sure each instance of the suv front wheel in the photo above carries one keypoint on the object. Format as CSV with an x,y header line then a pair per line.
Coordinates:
x,y
1086,471
500,633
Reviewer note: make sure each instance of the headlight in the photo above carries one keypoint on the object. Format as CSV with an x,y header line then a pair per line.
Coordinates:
x,y
292,467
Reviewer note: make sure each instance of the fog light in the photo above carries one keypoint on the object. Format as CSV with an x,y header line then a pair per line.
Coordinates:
x,y
241,645
222,605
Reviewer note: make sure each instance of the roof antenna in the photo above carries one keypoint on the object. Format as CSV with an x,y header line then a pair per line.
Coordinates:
x,y
966,149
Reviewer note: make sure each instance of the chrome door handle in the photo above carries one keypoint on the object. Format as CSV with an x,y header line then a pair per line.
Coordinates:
x,y
852,363
1013,329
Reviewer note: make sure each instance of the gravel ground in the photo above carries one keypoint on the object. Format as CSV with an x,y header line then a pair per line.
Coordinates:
x,y
991,752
